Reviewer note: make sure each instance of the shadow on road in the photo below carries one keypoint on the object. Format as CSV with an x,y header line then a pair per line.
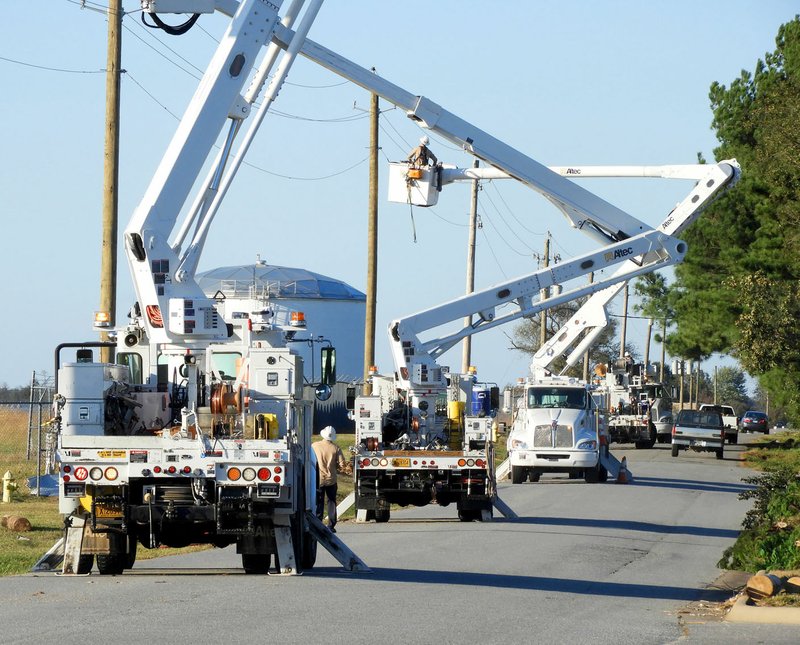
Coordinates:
x,y
692,484
628,525
536,583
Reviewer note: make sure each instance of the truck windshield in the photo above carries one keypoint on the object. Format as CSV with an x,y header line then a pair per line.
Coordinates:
x,y
556,397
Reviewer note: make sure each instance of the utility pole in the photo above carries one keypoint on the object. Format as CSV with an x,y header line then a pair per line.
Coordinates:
x,y
108,249
372,246
715,384
647,346
545,293
586,354
697,387
466,355
681,366
624,332
663,350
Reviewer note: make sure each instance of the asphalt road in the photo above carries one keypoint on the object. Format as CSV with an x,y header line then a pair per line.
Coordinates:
x,y
603,563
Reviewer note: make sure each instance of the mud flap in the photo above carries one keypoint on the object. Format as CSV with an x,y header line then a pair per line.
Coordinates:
x,y
283,542
73,542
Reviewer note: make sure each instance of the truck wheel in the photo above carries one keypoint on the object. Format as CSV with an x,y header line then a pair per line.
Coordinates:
x,y
85,563
675,450
534,477
719,453
111,564
592,475
255,563
602,474
645,443
517,474
130,556
382,515
733,439
470,515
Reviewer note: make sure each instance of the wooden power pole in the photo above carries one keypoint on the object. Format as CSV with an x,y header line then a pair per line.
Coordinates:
x,y
372,246
108,251
466,354
545,293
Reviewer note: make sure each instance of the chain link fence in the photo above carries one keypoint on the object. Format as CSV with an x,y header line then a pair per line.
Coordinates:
x,y
27,446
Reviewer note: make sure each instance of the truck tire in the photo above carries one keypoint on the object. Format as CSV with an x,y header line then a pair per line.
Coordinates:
x,y
382,515
645,443
517,474
471,515
733,439
111,564
603,474
534,477
255,563
675,450
85,563
719,453
592,475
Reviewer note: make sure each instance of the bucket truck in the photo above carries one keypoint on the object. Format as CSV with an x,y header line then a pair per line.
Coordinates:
x,y
199,432
406,450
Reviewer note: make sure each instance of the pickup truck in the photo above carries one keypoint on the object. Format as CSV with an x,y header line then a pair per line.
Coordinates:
x,y
700,430
729,420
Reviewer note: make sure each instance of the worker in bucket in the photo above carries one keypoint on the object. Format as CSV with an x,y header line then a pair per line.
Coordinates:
x,y
329,459
421,156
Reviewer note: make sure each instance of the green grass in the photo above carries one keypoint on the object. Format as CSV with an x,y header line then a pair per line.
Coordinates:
x,y
770,537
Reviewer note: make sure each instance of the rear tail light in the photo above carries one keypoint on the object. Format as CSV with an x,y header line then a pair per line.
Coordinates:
x,y
234,474
264,474
674,428
249,474
81,473
111,473
462,462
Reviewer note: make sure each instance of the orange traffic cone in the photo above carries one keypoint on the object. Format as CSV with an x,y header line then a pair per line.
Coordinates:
x,y
622,475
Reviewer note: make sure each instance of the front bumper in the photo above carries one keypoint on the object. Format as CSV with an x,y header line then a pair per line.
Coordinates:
x,y
554,460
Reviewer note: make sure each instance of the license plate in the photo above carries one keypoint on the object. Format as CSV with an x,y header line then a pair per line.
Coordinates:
x,y
702,444
74,490
401,462
105,510
268,490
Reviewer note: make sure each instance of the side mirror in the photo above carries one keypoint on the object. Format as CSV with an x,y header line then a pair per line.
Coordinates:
x,y
323,392
328,362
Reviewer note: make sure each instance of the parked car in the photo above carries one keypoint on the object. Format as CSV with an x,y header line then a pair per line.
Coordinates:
x,y
697,430
753,421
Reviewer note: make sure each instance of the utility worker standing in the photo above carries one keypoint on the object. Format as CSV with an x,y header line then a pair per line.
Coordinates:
x,y
421,156
329,458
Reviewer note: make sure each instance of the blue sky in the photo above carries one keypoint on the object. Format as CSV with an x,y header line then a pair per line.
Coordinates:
x,y
566,83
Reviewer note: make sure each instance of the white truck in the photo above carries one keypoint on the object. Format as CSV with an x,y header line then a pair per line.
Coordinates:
x,y
558,427
639,407
400,428
199,432
729,419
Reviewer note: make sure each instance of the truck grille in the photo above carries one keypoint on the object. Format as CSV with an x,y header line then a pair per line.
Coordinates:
x,y
544,437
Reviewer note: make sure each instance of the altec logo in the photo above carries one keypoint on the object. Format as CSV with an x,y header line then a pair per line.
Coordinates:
x,y
619,253
573,171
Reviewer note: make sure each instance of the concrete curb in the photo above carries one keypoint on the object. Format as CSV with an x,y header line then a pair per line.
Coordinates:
x,y
744,612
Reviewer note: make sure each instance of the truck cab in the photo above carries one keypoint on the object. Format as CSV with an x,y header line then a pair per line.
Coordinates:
x,y
557,428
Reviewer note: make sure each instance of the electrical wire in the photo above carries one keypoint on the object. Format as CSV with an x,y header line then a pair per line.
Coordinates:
x,y
141,87
491,250
53,69
511,212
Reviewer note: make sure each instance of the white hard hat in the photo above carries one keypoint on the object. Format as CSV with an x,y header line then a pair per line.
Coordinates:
x,y
627,353
329,433
424,141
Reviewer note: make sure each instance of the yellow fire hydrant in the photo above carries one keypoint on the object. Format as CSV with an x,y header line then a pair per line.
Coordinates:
x,y
9,485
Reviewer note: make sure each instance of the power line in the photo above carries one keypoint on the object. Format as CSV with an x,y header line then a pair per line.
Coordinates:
x,y
53,69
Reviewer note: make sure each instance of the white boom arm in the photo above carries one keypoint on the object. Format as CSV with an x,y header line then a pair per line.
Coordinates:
x,y
650,251
592,317
173,305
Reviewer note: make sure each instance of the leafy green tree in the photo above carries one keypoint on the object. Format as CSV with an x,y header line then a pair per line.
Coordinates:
x,y
526,337
738,289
